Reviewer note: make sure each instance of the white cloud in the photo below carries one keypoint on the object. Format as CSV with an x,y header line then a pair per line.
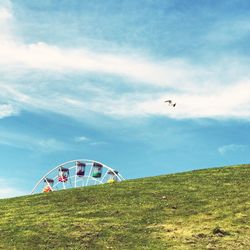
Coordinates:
x,y
221,90
7,110
16,55
32,143
230,148
224,102
230,101
5,15
7,189
232,30
49,145
6,19
98,143
81,139
42,56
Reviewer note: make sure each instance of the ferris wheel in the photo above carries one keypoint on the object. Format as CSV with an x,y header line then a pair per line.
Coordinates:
x,y
76,173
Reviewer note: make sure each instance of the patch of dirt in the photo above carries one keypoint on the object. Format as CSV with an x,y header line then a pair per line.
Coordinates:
x,y
220,232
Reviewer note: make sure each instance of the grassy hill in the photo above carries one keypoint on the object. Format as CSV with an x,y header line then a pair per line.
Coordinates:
x,y
205,209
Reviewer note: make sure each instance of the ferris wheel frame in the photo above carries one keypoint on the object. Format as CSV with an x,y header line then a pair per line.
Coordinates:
x,y
75,177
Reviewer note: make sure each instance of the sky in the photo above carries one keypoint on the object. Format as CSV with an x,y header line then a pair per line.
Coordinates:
x,y
88,80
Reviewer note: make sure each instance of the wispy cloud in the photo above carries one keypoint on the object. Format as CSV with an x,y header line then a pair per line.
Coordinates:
x,y
4,15
223,102
172,72
7,110
98,143
41,56
6,19
231,148
225,32
81,139
8,189
200,91
89,142
30,142
50,144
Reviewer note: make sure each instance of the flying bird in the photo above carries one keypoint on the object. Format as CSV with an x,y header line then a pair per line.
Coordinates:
x,y
170,103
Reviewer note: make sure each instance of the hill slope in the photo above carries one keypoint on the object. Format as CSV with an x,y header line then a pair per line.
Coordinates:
x,y
205,209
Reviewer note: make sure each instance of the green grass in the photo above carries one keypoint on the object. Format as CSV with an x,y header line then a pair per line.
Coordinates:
x,y
205,209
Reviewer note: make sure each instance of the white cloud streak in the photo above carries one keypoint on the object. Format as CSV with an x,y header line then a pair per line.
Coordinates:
x,y
8,189
81,139
7,110
231,148
4,15
35,144
198,91
224,102
42,56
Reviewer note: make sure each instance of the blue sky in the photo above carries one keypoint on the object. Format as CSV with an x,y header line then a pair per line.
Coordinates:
x,y
88,79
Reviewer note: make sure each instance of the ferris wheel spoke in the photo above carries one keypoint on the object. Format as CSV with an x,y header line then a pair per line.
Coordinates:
x,y
70,182
82,181
104,176
90,171
75,179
